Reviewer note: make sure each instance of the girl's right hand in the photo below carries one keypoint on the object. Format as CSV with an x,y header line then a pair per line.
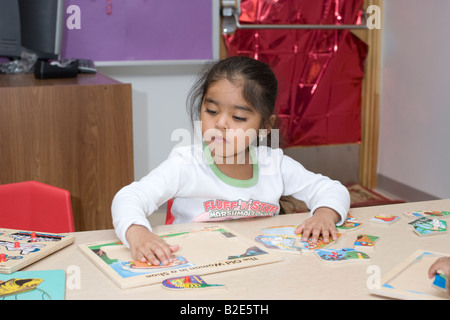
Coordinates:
x,y
147,246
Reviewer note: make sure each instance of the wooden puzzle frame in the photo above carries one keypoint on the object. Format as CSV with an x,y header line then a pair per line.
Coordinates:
x,y
203,250
409,279
23,247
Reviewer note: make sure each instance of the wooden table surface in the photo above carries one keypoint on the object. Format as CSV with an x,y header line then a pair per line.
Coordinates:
x,y
301,276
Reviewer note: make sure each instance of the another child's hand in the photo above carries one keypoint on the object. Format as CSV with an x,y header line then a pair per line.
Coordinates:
x,y
442,264
147,246
323,222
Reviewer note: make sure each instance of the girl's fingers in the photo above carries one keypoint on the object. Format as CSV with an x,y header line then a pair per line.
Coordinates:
x,y
314,233
325,236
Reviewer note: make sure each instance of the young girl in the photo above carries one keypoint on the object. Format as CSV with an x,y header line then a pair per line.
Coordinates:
x,y
225,176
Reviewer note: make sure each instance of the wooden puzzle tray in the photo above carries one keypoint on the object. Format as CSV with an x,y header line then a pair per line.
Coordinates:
x,y
409,279
203,250
20,248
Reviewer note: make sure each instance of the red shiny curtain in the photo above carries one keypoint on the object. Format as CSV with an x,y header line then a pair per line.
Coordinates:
x,y
319,71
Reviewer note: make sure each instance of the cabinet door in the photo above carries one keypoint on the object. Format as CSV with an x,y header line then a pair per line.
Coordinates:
x,y
72,136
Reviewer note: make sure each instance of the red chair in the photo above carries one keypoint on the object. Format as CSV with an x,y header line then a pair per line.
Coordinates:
x,y
35,206
169,216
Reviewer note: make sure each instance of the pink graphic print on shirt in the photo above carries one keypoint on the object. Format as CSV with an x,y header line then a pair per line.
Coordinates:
x,y
226,210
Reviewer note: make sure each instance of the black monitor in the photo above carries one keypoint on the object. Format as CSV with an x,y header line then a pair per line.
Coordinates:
x,y
10,38
36,26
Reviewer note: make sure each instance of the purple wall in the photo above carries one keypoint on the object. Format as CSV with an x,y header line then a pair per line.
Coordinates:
x,y
140,30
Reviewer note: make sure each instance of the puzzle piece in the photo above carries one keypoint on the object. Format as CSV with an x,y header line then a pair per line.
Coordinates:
x,y
287,230
280,237
5,257
420,220
138,266
365,241
278,242
350,224
36,236
440,282
189,282
341,255
23,248
384,219
284,237
427,213
309,245
427,227
15,286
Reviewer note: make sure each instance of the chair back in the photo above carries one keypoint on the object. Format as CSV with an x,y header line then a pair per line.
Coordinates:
x,y
169,216
35,206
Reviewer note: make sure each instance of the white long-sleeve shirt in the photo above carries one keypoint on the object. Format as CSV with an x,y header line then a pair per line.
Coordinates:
x,y
201,192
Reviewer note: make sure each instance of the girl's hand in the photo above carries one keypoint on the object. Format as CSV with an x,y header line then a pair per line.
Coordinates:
x,y
322,222
441,264
147,246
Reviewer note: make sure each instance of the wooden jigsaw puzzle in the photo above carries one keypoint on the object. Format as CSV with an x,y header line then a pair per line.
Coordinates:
x,y
427,227
409,279
203,250
20,248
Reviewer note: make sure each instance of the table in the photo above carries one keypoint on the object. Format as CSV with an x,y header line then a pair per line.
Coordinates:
x,y
296,277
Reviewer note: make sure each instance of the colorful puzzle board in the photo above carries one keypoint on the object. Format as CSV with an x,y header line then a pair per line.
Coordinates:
x,y
33,285
20,248
409,280
203,250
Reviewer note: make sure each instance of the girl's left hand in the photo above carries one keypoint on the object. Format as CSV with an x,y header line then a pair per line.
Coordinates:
x,y
323,222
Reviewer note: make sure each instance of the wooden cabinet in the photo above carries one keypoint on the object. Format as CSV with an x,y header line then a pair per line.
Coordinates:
x,y
74,134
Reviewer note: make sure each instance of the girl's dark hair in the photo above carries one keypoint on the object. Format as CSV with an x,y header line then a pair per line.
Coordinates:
x,y
260,85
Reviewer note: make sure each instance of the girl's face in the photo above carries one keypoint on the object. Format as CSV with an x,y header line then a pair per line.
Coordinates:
x,y
229,123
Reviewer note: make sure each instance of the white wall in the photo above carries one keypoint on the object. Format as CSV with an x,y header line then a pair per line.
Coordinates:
x,y
159,93
414,145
